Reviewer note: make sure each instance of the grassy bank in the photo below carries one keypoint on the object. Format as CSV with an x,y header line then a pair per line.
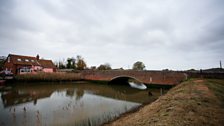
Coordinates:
x,y
195,102
217,86
49,77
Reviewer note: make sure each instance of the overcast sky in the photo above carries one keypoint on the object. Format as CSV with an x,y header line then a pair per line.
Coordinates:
x,y
173,34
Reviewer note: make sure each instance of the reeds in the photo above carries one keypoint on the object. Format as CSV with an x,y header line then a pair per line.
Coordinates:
x,y
58,76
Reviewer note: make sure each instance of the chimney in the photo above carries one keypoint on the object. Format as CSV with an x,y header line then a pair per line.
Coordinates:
x,y
38,57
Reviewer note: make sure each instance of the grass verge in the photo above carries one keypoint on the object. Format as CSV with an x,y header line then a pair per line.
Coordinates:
x,y
195,102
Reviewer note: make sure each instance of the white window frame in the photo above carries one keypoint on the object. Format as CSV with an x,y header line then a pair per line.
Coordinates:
x,y
25,70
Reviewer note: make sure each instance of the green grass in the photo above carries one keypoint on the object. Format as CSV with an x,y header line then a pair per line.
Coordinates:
x,y
217,86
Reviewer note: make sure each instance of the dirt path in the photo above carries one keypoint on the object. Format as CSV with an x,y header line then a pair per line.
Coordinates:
x,y
191,103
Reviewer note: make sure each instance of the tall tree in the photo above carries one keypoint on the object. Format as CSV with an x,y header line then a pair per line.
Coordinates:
x,y
138,66
73,63
61,65
1,64
105,66
69,63
81,64
2,60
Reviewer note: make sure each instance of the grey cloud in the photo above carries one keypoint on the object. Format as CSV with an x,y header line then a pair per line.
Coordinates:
x,y
163,34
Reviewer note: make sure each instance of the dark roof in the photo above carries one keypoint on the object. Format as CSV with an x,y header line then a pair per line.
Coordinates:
x,y
46,63
24,60
30,61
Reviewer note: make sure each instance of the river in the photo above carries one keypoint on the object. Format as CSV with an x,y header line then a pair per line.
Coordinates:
x,y
69,103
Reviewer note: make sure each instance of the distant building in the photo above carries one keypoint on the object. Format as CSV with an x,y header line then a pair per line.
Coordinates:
x,y
19,64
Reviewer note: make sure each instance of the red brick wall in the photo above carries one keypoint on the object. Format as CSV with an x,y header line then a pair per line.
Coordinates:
x,y
148,77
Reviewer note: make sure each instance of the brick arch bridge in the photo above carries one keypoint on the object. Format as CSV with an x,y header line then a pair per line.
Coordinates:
x,y
123,79
147,77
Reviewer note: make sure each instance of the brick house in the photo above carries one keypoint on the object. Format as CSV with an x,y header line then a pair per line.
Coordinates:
x,y
19,64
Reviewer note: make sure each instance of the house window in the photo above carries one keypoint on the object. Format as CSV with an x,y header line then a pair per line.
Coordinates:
x,y
25,70
26,60
32,60
19,60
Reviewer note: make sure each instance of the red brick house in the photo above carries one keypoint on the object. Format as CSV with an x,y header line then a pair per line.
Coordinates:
x,y
19,64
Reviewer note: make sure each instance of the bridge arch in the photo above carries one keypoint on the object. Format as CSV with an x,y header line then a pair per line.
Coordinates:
x,y
123,79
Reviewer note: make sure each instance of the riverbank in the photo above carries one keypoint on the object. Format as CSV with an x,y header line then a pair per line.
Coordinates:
x,y
195,102
52,77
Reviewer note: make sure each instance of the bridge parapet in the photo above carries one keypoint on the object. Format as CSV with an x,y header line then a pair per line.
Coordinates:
x,y
147,77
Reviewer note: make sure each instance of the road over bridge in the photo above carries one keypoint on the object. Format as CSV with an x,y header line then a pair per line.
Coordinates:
x,y
147,77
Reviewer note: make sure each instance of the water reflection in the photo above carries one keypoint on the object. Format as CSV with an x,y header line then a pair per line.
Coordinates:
x,y
68,103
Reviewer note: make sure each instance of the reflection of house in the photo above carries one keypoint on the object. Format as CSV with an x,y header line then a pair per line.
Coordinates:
x,y
18,64
11,98
24,94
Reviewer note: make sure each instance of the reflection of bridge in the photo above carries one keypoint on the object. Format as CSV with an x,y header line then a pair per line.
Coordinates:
x,y
147,77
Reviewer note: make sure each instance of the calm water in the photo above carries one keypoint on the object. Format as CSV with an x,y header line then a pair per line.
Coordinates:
x,y
68,103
